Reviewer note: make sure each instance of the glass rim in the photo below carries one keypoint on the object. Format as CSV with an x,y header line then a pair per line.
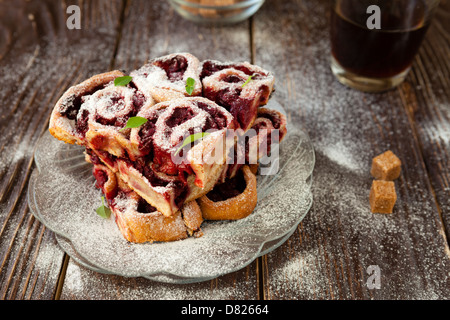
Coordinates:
x,y
430,9
237,5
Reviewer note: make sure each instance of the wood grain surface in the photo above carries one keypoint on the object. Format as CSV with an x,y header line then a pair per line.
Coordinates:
x,y
329,254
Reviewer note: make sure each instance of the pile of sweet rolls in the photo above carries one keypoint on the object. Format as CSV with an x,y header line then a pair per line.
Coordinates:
x,y
178,166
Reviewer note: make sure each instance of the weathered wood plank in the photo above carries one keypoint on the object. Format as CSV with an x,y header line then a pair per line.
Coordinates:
x,y
150,30
81,283
154,29
329,255
428,94
39,60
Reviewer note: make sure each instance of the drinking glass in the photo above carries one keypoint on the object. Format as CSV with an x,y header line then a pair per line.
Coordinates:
x,y
374,42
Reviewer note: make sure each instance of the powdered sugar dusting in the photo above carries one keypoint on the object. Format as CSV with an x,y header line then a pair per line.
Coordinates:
x,y
153,79
341,155
122,202
99,241
329,256
218,80
168,138
143,289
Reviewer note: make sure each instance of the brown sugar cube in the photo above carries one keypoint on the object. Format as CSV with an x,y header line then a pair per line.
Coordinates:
x,y
386,166
382,196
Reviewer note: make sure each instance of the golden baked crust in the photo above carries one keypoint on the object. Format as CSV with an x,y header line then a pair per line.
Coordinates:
x,y
234,208
138,227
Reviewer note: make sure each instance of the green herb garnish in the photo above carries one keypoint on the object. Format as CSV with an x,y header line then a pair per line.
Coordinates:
x,y
103,211
190,85
248,80
192,138
135,122
122,81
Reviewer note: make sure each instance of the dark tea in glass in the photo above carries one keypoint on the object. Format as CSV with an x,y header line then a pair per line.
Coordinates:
x,y
374,42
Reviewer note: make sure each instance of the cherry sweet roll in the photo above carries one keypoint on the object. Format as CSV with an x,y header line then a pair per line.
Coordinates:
x,y
95,112
234,199
165,78
238,87
268,129
67,123
235,196
138,221
181,119
108,112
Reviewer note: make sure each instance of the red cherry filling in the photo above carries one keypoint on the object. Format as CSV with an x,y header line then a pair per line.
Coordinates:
x,y
71,105
94,159
175,67
82,125
231,78
146,137
239,107
179,116
213,119
216,121
102,178
180,187
164,163
211,67
229,189
104,156
139,100
145,207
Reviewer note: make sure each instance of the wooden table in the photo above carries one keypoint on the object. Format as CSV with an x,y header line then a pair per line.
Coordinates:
x,y
329,255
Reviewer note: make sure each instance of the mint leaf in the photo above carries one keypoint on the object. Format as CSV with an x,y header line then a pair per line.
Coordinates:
x,y
122,81
248,80
190,85
103,211
192,138
135,122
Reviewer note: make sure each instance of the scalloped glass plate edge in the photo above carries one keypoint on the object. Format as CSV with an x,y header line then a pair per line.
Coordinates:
x,y
264,248
267,247
66,245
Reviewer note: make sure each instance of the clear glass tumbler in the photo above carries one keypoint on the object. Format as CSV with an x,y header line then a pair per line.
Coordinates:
x,y
374,42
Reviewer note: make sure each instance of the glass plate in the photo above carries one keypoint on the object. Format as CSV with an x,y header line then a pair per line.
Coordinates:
x,y
62,195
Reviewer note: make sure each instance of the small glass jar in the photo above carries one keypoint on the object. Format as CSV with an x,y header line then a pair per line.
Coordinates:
x,y
216,11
